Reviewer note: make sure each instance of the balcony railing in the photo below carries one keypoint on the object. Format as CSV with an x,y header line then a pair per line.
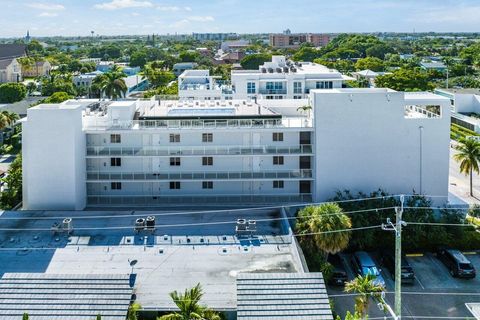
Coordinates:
x,y
134,200
297,122
273,91
200,175
197,151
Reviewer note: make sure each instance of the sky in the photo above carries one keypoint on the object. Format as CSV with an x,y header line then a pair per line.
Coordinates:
x,y
120,17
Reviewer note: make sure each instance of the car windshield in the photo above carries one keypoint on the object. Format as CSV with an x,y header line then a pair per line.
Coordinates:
x,y
371,271
465,266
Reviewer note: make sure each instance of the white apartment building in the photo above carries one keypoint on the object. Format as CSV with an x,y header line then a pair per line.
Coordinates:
x,y
200,85
284,79
149,153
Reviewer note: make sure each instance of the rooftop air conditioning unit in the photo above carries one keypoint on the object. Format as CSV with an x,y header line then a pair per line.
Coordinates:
x,y
279,70
270,70
67,225
139,224
285,69
263,70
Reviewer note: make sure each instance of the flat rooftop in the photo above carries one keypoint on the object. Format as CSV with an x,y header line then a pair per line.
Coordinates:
x,y
187,248
218,108
460,91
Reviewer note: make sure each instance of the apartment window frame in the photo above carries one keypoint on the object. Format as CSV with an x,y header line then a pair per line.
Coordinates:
x,y
175,161
115,186
278,160
251,88
278,184
207,185
175,185
297,87
207,161
277,136
115,162
115,138
207,137
174,137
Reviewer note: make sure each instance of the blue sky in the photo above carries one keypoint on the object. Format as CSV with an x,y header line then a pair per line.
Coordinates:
x,y
111,17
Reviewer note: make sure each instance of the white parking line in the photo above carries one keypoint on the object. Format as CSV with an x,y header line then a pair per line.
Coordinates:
x,y
419,282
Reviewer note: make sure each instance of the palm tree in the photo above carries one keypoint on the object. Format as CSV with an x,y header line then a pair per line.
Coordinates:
x,y
189,307
366,289
469,156
324,223
111,83
25,316
7,118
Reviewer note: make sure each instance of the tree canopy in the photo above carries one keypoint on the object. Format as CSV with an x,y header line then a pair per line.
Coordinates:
x,y
405,80
253,61
12,92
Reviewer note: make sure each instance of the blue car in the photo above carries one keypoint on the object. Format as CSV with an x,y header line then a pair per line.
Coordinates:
x,y
363,264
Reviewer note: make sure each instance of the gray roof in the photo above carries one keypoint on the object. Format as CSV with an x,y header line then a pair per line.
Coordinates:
x,y
5,63
12,51
64,297
281,296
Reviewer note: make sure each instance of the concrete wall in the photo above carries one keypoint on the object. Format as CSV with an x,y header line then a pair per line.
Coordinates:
x,y
54,158
364,142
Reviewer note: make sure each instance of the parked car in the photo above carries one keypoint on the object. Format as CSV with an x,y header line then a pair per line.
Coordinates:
x,y
388,261
363,264
339,273
457,263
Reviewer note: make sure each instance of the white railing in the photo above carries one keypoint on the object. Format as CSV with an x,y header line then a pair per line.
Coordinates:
x,y
159,151
196,198
421,111
199,175
299,122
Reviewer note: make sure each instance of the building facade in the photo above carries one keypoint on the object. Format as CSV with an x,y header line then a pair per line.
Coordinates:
x,y
151,153
295,40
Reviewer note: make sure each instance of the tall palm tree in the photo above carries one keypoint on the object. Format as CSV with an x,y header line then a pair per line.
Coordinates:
x,y
111,83
367,290
7,118
189,307
469,157
324,223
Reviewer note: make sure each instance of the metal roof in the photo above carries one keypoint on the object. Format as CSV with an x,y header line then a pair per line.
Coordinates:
x,y
64,296
281,296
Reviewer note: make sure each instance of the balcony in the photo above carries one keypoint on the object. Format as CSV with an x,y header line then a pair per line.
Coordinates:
x,y
197,151
302,174
272,91
135,200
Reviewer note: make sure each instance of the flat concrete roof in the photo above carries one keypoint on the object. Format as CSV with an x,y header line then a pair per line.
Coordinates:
x,y
191,253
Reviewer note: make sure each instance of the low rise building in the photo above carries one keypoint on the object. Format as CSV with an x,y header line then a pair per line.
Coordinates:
x,y
200,85
151,153
179,68
288,40
10,68
37,69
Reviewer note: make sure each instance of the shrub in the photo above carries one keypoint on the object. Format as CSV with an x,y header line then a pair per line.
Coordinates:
x,y
12,92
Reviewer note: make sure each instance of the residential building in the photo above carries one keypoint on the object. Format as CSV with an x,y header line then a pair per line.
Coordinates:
x,y
38,69
10,68
199,85
368,76
85,79
234,45
295,40
214,36
105,66
284,79
134,82
230,57
433,65
151,153
465,107
179,68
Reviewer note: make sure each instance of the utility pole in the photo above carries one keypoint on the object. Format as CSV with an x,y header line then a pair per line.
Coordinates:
x,y
397,228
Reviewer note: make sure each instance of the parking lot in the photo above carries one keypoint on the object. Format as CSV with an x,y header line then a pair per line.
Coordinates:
x,y
434,295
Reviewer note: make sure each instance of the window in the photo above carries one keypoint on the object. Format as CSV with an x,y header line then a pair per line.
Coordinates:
x,y
297,97
207,185
116,186
273,86
115,162
174,185
207,137
175,161
278,184
277,136
115,138
251,88
297,87
174,137
278,160
207,161
324,85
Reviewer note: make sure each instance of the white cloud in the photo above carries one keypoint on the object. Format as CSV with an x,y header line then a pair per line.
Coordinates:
x,y
135,14
168,8
201,18
46,6
48,14
122,4
187,8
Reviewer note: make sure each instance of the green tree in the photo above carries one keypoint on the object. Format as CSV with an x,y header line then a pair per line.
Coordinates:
x,y
324,223
189,306
349,316
58,97
138,59
370,63
111,83
157,75
367,290
307,54
12,92
189,56
99,317
7,119
253,61
133,309
13,195
468,155
405,80
31,87
25,316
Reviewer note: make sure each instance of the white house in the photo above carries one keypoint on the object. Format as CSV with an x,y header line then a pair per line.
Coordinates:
x,y
10,70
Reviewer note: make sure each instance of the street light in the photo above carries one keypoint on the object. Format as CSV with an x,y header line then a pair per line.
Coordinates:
x,y
132,263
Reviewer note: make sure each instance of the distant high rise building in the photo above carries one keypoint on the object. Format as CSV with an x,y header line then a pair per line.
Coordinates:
x,y
294,40
28,38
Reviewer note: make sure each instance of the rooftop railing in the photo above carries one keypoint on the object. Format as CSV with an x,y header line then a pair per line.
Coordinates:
x,y
301,174
413,111
273,91
154,151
